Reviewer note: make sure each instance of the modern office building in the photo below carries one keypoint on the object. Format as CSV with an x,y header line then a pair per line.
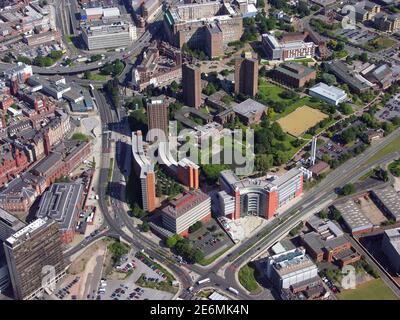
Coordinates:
x,y
32,251
191,85
62,203
391,247
185,211
330,94
8,225
157,119
289,46
246,76
261,196
293,74
108,34
290,268
144,170
4,274
19,72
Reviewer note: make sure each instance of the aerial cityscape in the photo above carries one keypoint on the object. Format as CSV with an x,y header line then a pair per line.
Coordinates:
x,y
203,150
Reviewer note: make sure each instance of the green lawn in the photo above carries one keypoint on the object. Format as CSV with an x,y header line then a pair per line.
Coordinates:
x,y
379,43
392,147
247,279
206,262
269,91
394,168
372,290
98,77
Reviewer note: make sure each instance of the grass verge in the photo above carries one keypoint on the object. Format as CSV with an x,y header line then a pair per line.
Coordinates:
x,y
247,278
372,290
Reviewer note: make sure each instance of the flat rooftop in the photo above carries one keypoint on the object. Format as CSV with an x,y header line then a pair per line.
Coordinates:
x,y
61,203
390,200
353,216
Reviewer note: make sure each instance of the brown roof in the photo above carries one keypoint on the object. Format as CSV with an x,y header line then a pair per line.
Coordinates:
x,y
319,167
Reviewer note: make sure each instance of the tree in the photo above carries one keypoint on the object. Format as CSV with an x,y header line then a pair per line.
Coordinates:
x,y
260,4
137,211
211,171
56,54
145,226
302,9
345,108
87,75
197,256
336,215
364,57
277,131
174,86
22,59
209,89
173,240
323,214
196,226
328,78
118,67
43,61
117,250
264,162
95,57
348,189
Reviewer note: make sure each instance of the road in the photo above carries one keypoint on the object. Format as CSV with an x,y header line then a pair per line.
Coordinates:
x,y
136,48
114,215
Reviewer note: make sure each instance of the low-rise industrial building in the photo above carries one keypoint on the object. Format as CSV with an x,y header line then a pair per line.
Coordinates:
x,y
329,94
354,218
391,247
388,200
343,73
